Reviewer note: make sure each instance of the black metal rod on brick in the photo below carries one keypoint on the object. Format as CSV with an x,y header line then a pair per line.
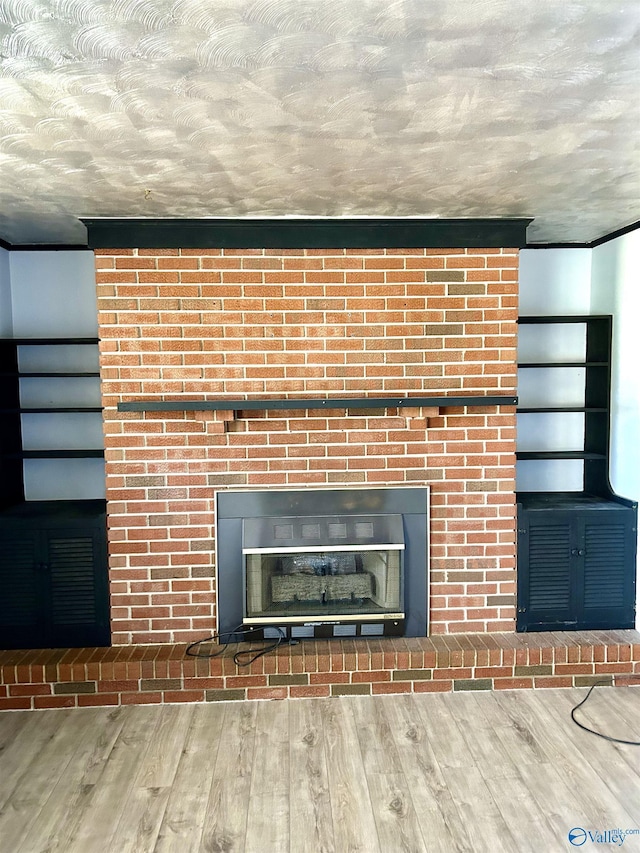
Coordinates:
x,y
317,403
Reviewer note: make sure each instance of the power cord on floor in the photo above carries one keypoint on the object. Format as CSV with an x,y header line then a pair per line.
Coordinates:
x,y
243,657
593,731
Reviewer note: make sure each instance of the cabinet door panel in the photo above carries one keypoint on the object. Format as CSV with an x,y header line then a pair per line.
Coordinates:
x,y
545,592
72,579
604,565
549,567
78,577
609,569
20,590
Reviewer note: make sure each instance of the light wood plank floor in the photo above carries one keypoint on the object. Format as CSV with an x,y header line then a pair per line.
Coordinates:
x,y
503,771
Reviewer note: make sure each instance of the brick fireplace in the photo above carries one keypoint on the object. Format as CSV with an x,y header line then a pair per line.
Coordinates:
x,y
307,324
329,372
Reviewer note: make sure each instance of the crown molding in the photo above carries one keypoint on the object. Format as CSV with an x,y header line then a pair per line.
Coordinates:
x,y
107,233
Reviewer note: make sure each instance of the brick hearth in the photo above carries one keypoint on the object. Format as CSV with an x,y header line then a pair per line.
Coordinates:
x,y
162,673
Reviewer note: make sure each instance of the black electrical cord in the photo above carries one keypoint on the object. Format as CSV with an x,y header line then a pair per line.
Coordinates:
x,y
593,731
243,657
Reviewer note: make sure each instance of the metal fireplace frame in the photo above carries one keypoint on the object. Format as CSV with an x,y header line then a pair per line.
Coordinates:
x,y
232,507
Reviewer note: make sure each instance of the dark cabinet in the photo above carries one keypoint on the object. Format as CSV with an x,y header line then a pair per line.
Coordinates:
x,y
576,563
577,550
53,575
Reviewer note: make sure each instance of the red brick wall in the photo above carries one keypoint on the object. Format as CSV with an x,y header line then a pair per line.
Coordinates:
x,y
204,323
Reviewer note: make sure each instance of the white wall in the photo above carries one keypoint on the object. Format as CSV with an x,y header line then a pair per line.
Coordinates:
x,y
615,289
53,294
5,295
552,281
555,281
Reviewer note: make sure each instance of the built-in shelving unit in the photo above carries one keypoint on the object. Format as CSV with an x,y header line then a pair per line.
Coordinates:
x,y
576,548
596,366
53,553
12,405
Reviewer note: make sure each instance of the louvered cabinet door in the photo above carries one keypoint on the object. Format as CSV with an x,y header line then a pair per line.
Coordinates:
x,y
576,570
78,605
608,577
546,599
22,589
53,584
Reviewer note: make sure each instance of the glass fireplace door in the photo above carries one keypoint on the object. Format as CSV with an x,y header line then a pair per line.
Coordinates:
x,y
328,582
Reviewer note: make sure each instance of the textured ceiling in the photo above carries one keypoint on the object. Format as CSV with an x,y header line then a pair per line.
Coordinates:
x,y
269,108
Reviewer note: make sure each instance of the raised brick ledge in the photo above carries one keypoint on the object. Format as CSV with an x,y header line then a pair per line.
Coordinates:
x,y
61,678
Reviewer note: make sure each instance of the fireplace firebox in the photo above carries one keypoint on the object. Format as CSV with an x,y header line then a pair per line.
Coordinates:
x,y
306,569
310,563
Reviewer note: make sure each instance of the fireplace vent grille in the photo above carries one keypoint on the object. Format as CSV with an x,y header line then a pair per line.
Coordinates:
x,y
331,533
